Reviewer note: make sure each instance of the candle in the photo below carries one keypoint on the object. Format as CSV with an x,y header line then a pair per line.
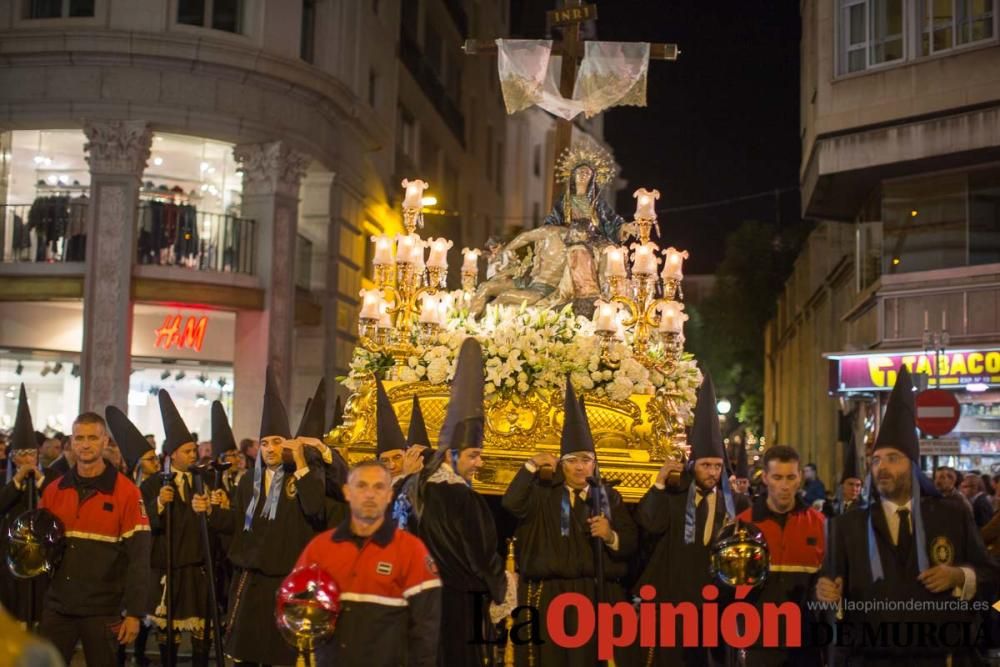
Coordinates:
x,y
404,247
445,302
620,325
643,260
429,310
370,301
673,265
383,249
439,253
672,317
604,316
384,321
616,261
417,253
471,261
645,206
414,193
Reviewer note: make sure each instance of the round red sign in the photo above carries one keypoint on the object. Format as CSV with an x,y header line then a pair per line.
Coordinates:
x,y
937,412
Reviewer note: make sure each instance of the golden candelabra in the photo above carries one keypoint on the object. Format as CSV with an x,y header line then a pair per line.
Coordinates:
x,y
643,304
409,302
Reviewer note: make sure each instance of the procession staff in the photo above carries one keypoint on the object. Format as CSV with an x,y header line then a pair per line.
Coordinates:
x,y
457,525
276,511
187,596
389,585
100,589
22,597
556,531
686,520
796,540
910,545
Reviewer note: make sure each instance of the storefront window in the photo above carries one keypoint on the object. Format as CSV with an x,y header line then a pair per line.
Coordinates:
x,y
191,183
193,171
192,388
52,384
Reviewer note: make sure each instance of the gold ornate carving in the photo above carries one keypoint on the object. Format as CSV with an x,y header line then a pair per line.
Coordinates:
x,y
632,437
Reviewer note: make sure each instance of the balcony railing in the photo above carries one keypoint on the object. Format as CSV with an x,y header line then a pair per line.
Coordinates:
x,y
48,231
172,235
53,230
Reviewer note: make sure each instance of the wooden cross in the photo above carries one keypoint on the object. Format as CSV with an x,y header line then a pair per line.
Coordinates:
x,y
569,18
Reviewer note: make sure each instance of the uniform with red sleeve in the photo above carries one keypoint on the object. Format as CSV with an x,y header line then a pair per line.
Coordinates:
x,y
796,543
390,597
104,572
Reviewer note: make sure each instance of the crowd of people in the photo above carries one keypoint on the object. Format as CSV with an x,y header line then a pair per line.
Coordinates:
x,y
415,553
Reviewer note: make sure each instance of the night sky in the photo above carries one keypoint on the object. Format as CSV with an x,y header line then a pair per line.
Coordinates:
x,y
721,122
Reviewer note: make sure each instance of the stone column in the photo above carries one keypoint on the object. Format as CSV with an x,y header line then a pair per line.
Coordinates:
x,y
271,176
117,152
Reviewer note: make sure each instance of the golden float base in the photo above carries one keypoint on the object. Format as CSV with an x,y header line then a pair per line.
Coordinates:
x,y
632,438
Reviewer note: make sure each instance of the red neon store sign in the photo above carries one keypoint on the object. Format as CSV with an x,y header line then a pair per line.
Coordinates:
x,y
172,334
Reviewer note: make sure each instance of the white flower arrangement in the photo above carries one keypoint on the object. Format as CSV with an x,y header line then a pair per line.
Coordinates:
x,y
528,349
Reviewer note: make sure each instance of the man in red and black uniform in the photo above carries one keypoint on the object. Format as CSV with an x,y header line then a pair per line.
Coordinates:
x,y
389,585
99,591
796,540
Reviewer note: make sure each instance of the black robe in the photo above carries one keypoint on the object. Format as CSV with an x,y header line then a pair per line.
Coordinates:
x,y
263,557
678,571
14,592
949,531
189,579
458,528
550,564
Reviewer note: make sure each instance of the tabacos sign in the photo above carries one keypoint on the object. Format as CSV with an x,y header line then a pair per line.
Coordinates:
x,y
877,371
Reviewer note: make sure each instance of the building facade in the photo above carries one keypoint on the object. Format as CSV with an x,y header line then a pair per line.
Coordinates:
x,y
900,110
188,188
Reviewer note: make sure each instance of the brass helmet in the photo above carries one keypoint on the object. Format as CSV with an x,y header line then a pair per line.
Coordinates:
x,y
740,556
35,544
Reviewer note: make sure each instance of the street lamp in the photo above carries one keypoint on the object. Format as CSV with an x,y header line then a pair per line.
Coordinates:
x,y
723,406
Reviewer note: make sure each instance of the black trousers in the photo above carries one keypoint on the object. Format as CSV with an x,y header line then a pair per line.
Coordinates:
x,y
97,633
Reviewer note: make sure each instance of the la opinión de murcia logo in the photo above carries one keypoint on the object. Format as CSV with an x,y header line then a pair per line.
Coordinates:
x,y
736,623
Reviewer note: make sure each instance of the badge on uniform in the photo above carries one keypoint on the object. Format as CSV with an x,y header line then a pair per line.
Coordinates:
x,y
383,567
290,490
942,551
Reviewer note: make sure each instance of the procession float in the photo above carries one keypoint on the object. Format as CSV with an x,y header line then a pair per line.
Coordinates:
x,y
586,295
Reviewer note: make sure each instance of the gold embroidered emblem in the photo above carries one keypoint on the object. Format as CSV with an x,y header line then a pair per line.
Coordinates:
x,y
942,551
290,490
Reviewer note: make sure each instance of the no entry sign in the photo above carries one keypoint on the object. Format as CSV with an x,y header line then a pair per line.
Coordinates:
x,y
937,412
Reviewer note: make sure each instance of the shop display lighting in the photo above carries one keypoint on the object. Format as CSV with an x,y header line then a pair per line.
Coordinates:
x,y
75,371
180,376
164,375
46,369
19,368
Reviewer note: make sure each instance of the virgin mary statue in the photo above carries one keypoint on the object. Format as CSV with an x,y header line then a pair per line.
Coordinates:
x,y
590,222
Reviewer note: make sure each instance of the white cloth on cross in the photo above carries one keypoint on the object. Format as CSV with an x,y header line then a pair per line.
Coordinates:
x,y
611,74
